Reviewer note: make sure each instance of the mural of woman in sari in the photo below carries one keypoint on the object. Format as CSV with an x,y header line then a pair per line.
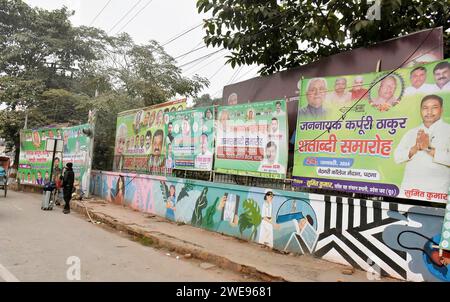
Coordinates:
x,y
118,194
170,205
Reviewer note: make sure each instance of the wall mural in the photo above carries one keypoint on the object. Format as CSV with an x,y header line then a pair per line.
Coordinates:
x,y
396,240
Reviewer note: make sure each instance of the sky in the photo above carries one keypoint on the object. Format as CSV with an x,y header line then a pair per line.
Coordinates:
x,y
159,20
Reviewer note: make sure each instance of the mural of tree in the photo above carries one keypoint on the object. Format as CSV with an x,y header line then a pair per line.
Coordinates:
x,y
185,191
210,211
164,190
251,218
200,204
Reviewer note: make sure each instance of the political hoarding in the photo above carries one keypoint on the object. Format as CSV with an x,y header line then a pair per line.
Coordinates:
x,y
190,139
34,161
385,134
77,150
140,135
251,139
35,158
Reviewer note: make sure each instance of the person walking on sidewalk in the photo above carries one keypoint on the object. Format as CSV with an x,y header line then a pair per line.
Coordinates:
x,y
68,180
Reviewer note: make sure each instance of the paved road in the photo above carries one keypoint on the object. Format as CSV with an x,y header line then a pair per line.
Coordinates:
x,y
35,245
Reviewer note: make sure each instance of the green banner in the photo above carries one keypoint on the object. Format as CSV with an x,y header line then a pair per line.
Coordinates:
x,y
251,139
34,161
190,139
76,150
140,137
383,133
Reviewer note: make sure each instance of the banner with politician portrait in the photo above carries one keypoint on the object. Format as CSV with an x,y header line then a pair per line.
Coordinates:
x,y
251,139
35,162
190,139
140,137
76,150
385,133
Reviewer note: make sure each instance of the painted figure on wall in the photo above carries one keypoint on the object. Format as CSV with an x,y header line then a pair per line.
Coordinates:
x,y
436,262
118,194
170,204
267,223
298,222
229,205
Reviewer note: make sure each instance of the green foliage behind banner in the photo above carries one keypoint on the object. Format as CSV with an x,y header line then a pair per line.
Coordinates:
x,y
251,139
381,140
190,139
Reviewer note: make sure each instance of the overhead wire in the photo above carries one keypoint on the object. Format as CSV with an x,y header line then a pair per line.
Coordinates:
x,y
189,52
132,18
203,66
197,45
181,34
223,48
124,16
100,12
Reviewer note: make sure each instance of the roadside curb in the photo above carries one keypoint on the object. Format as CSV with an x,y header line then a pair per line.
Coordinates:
x,y
160,240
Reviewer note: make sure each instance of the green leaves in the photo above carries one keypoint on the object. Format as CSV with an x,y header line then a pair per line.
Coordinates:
x,y
208,222
200,204
299,32
251,218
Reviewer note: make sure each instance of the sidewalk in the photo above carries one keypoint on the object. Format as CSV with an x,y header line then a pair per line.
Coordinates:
x,y
223,251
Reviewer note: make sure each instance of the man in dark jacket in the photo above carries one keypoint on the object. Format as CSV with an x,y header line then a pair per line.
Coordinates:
x,y
68,180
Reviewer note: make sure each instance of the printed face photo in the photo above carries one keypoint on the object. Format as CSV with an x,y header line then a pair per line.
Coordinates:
x,y
232,99
431,111
159,118
186,128
316,92
148,140
442,76
36,139
271,153
358,83
340,85
274,126
418,77
157,144
204,144
152,118
387,88
146,118
389,92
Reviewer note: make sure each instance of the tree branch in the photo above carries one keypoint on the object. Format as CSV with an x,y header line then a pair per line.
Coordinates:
x,y
333,39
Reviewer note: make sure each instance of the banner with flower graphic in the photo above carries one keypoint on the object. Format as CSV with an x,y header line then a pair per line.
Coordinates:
x,y
385,133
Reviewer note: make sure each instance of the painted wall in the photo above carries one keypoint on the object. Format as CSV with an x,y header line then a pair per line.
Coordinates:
x,y
388,238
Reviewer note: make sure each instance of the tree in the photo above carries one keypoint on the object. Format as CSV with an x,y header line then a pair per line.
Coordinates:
x,y
206,100
148,72
53,73
297,32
